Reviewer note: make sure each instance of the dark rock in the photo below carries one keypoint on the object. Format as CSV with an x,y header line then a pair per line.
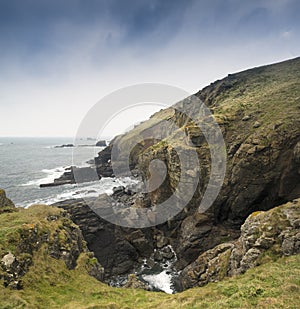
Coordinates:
x,y
73,175
101,143
65,146
6,205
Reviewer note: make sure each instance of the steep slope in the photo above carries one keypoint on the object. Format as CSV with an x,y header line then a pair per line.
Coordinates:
x,y
258,111
35,236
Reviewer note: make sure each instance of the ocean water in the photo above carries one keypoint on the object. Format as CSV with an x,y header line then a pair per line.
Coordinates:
x,y
25,163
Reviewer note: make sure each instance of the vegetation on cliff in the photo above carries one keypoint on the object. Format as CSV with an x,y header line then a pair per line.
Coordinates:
x,y
258,111
57,273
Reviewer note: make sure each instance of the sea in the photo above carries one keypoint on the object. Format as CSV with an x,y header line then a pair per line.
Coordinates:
x,y
25,163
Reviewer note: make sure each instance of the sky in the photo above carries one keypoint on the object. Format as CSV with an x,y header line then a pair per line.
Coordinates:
x,y
58,58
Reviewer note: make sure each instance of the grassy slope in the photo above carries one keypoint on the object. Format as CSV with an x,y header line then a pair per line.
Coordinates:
x,y
273,285
49,284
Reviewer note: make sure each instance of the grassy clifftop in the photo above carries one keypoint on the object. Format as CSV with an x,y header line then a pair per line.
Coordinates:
x,y
52,280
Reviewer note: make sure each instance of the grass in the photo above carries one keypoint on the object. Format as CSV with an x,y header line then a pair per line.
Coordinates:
x,y
50,284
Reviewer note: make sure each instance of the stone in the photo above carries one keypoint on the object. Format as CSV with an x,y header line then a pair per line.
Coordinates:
x,y
246,118
256,124
134,283
101,143
8,260
6,205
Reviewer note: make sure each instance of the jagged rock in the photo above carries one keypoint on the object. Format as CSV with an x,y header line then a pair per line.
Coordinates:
x,y
101,143
64,146
264,235
111,245
262,171
51,233
74,175
6,205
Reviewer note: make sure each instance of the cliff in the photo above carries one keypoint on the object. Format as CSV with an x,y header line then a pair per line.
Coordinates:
x,y
258,112
254,220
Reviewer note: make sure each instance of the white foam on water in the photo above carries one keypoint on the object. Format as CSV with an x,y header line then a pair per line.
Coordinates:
x,y
51,175
161,281
85,190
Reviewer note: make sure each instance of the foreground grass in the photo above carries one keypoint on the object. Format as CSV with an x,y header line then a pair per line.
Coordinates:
x,y
50,285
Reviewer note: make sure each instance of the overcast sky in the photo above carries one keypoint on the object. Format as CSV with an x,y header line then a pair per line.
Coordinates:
x,y
58,58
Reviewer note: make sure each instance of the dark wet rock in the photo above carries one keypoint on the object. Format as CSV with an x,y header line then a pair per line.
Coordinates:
x,y
101,143
108,242
64,146
74,175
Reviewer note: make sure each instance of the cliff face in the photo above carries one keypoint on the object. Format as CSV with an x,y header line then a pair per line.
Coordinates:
x,y
265,236
6,205
29,237
258,112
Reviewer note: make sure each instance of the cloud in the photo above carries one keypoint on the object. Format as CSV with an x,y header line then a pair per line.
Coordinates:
x,y
58,58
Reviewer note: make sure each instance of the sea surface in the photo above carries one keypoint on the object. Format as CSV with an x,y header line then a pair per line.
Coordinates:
x,y
25,163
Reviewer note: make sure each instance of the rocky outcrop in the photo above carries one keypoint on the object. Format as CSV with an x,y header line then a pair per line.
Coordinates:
x,y
73,175
258,114
35,232
101,143
65,146
116,248
6,205
264,236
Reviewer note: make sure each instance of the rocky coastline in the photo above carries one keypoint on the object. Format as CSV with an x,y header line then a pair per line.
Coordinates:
x,y
255,217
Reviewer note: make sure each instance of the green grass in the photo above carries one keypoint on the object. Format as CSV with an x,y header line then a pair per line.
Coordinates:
x,y
50,284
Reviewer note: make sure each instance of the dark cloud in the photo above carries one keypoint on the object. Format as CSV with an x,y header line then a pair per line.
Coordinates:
x,y
57,52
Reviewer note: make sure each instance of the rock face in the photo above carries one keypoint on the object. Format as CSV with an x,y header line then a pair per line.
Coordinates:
x,y
73,175
38,231
263,170
6,205
264,236
117,249
262,145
